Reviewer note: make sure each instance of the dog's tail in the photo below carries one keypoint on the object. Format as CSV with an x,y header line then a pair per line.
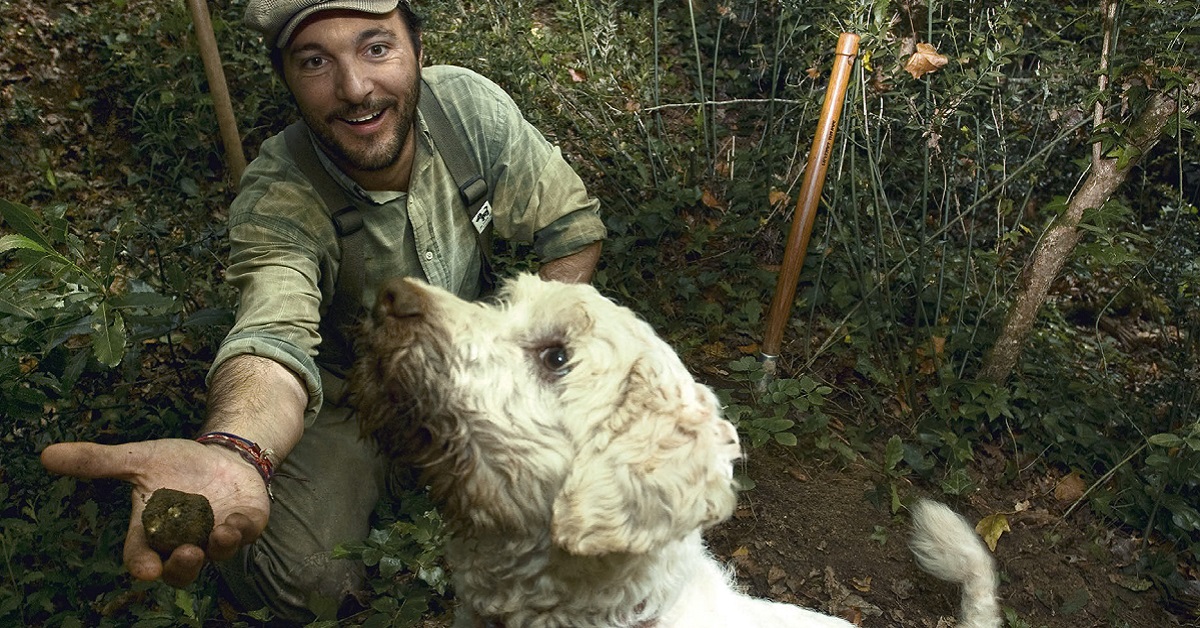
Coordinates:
x,y
946,546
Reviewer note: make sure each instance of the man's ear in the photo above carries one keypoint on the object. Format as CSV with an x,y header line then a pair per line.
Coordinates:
x,y
656,471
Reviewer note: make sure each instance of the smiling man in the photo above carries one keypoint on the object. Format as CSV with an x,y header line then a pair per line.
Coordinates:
x,y
356,79
280,459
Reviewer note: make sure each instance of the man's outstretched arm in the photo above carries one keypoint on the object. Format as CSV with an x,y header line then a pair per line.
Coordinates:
x,y
577,267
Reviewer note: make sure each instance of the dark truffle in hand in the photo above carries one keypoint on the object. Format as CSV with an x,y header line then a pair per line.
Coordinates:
x,y
173,518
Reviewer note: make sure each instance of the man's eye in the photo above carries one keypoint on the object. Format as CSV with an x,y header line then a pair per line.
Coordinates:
x,y
377,50
555,359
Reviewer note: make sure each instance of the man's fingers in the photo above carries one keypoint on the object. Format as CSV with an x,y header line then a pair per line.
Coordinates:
x,y
142,562
89,460
224,542
183,566
227,538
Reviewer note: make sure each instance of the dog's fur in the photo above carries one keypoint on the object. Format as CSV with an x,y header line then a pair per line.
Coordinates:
x,y
577,462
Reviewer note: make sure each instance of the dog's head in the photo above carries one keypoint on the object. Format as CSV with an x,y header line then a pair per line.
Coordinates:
x,y
551,409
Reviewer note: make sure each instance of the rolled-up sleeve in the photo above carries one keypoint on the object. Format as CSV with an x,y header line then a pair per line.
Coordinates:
x,y
277,234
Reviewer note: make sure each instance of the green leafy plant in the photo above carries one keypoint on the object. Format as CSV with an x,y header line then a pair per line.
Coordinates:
x,y
780,409
406,570
55,294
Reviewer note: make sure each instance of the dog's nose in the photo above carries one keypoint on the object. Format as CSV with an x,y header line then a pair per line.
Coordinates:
x,y
398,299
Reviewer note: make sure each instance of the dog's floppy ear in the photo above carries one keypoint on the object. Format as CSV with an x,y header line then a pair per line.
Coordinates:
x,y
656,470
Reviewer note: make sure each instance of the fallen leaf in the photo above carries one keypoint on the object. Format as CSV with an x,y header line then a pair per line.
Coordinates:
x,y
779,198
1070,488
775,574
926,366
1132,583
925,60
991,528
852,615
711,201
798,475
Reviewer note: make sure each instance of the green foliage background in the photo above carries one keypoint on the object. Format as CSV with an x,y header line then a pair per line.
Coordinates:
x,y
691,121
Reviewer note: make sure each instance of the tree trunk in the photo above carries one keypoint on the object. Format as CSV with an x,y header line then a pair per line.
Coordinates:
x,y
1063,234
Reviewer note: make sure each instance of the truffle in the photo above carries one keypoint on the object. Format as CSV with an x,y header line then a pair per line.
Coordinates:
x,y
173,518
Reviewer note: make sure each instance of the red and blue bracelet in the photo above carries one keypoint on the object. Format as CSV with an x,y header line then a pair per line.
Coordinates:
x,y
249,451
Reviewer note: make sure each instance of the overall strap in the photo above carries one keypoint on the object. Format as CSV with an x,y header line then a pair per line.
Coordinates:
x,y
345,310
472,187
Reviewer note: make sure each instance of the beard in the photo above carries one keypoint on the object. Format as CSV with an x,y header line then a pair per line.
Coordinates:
x,y
377,155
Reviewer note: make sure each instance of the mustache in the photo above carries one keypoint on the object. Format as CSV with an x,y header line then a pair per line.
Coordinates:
x,y
361,109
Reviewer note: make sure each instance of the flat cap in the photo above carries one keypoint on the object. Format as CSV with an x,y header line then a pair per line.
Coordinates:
x,y
278,19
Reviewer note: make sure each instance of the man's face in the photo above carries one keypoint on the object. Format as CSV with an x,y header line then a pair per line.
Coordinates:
x,y
356,79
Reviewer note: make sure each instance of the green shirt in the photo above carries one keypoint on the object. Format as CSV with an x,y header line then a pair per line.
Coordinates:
x,y
284,251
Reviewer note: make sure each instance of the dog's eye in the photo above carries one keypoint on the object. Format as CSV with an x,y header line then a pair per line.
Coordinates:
x,y
555,359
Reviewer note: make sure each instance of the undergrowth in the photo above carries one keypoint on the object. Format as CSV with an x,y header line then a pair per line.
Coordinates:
x,y
692,127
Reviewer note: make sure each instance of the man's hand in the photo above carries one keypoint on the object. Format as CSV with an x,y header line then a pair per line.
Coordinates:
x,y
233,487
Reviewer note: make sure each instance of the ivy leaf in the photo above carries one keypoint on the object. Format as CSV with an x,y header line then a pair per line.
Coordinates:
x,y
957,483
390,566
991,528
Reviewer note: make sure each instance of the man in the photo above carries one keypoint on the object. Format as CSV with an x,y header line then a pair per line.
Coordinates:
x,y
354,70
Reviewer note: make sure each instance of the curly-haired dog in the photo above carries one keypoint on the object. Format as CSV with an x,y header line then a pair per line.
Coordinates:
x,y
577,462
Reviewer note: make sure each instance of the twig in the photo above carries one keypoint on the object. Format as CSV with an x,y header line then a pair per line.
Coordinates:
x,y
721,103
1104,478
705,119
1109,10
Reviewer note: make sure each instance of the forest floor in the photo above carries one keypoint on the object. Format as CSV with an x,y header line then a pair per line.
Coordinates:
x,y
812,535
810,531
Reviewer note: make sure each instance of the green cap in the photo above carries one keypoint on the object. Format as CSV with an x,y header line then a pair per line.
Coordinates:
x,y
278,19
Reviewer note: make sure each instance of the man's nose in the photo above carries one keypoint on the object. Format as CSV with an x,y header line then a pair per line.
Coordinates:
x,y
354,83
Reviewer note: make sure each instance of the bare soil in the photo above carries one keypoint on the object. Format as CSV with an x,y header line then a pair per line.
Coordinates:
x,y
812,535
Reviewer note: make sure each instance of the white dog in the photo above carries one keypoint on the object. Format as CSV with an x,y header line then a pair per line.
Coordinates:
x,y
577,462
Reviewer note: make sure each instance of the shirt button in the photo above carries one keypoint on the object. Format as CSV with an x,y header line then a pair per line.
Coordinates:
x,y
428,255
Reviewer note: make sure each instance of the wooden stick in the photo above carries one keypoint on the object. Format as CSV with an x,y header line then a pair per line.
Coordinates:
x,y
235,157
810,198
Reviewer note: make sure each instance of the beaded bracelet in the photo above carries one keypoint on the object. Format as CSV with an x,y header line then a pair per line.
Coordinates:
x,y
248,449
